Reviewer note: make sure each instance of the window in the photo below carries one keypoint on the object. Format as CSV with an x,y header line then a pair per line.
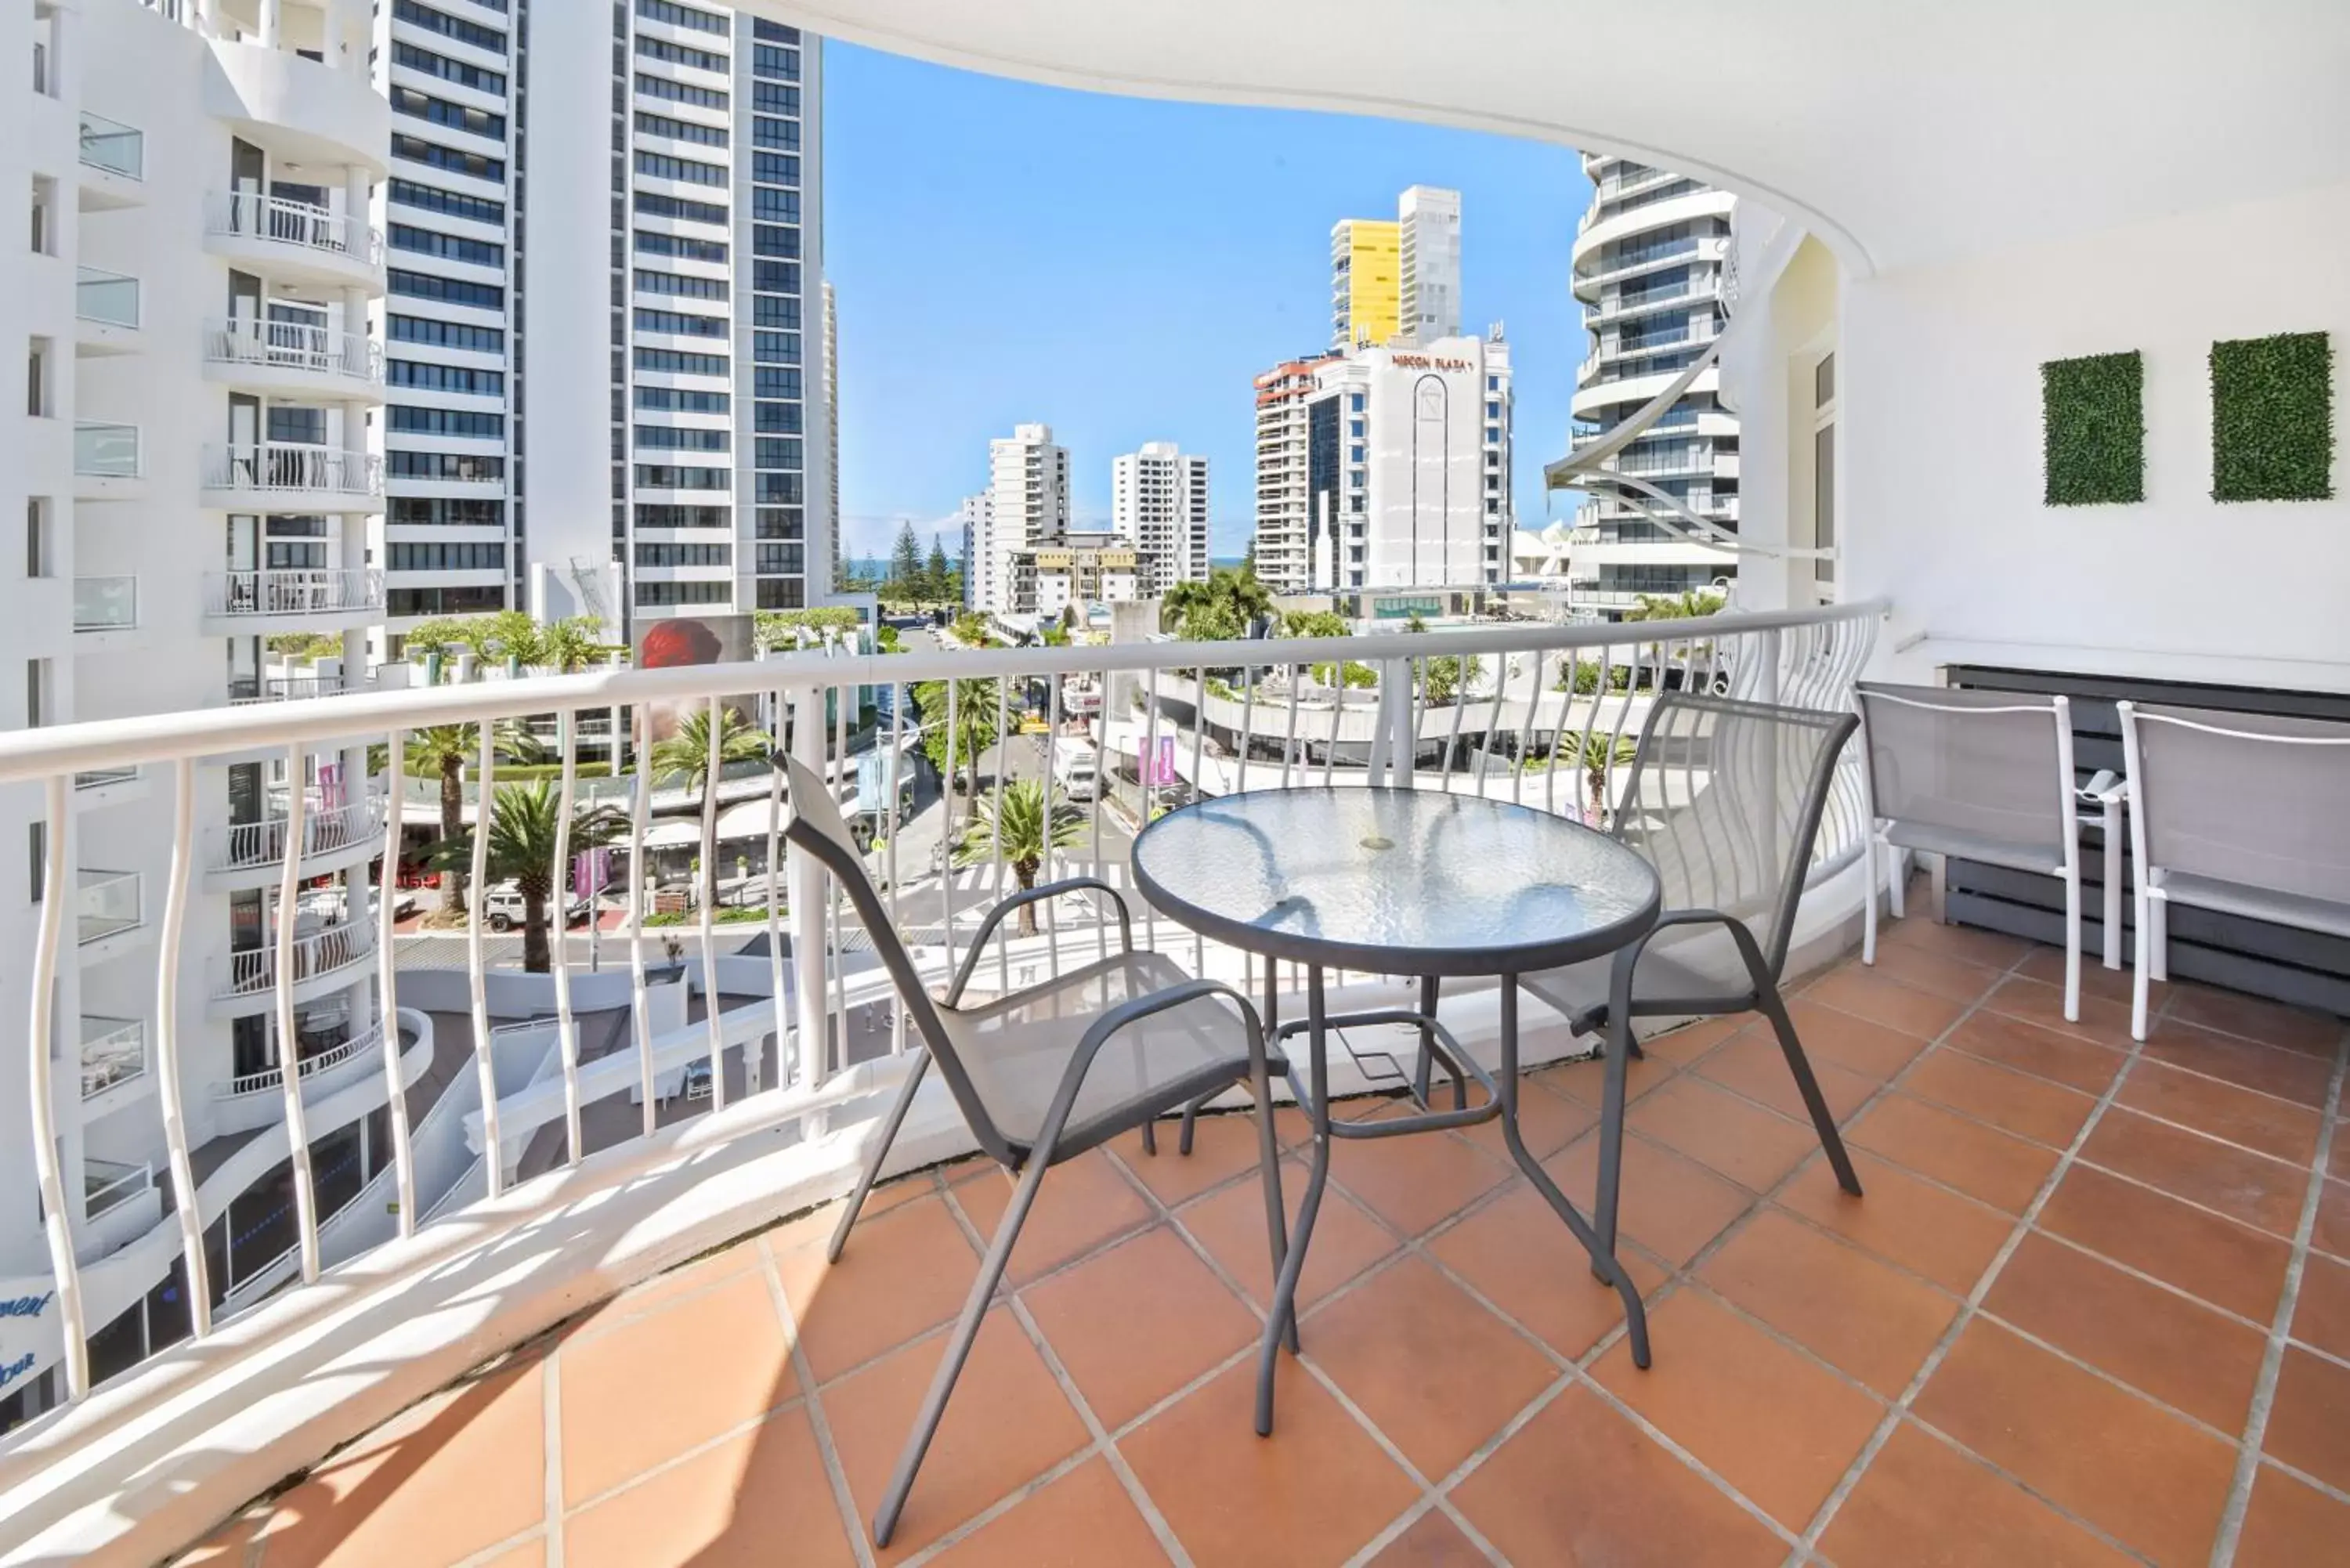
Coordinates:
x,y
778,418
685,554
445,422
650,124
683,246
449,247
432,555
768,240
768,32
661,476
1354,403
786,489
776,278
448,290
766,60
658,207
791,558
463,466
776,168
661,166
664,514
775,381
447,70
449,27
400,603
681,438
683,400
648,282
656,594
783,133
781,523
446,511
444,334
479,209
777,207
680,17
775,98
782,593
781,452
445,378
654,49
680,92
38,692
441,111
678,322
416,150
776,348
767,310
676,362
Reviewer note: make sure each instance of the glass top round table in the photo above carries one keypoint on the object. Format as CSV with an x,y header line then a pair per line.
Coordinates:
x,y
1395,881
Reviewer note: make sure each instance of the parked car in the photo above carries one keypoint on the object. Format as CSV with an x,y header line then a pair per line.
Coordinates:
x,y
502,908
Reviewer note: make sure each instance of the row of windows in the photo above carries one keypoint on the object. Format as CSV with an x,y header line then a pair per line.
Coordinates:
x,y
662,476
651,594
680,286
766,132
449,27
433,155
682,440
676,362
679,15
777,207
678,54
445,511
477,209
776,348
441,111
443,465
659,514
680,92
788,488
685,554
431,555
444,334
776,168
658,207
678,322
769,61
778,418
780,451
447,70
775,381
781,523
449,247
400,603
780,558
683,400
768,32
776,276
774,240
661,166
652,124
775,310
448,290
775,98
685,247
445,422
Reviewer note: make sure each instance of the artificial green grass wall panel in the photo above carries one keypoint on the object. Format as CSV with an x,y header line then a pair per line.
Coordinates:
x,y
2092,424
2272,418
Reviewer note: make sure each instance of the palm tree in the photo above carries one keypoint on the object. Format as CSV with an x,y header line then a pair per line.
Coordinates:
x,y
690,757
1217,610
1020,810
522,820
1593,753
974,724
444,752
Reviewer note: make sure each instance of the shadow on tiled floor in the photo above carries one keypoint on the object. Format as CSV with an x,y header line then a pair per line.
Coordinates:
x,y
2095,1309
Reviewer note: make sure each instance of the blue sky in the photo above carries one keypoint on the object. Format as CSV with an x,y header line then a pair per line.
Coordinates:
x,y
1121,269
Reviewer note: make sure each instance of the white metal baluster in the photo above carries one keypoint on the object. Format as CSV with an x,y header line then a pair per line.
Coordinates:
x,y
808,895
946,829
1526,730
1615,737
777,991
566,1026
1240,786
1289,736
289,1065
494,1161
1337,715
48,1163
387,980
1053,869
716,719
1094,808
1453,743
1147,769
169,1093
897,913
844,698
996,834
1584,754
1493,719
640,792
1416,708
1200,787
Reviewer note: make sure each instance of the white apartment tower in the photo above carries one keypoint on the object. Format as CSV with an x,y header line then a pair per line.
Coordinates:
x,y
1648,265
975,516
1285,531
831,311
1027,508
1159,504
1428,270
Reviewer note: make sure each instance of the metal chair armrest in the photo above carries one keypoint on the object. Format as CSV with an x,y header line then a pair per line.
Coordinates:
x,y
1105,1028
1031,896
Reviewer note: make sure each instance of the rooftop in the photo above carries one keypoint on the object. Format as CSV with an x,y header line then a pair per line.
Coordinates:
x,y
2095,1309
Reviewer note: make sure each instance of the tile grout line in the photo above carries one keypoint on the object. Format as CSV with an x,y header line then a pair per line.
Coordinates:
x,y
844,1501
551,1412
2265,1390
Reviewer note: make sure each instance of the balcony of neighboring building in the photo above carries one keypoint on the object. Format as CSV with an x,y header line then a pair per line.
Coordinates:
x,y
247,689
113,1055
105,610
1593,231
109,460
107,317
336,836
294,78
109,912
326,958
292,358
291,476
261,603
113,163
296,241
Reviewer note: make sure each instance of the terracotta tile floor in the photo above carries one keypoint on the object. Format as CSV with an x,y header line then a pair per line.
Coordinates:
x,y
2095,1309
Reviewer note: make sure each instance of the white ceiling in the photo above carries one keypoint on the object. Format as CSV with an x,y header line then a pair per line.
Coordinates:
x,y
1900,131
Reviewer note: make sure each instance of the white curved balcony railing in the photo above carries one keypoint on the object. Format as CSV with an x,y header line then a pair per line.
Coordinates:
x,y
106,450
287,467
271,1080
252,214
293,592
322,953
243,845
293,345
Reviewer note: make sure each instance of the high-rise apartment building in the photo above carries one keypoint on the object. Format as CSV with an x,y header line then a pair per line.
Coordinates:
x,y
1408,466
831,313
975,516
1159,504
1648,267
1363,300
1428,264
1284,521
1027,509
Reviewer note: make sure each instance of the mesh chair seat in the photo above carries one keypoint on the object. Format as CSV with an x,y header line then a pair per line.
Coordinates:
x,y
1017,1050
1662,974
1935,839
2292,909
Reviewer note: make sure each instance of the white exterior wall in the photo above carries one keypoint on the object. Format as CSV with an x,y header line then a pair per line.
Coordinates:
x,y
1428,503
1283,561
1028,505
1429,272
1159,503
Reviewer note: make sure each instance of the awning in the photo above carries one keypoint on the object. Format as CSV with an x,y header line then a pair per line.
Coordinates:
x,y
746,819
672,835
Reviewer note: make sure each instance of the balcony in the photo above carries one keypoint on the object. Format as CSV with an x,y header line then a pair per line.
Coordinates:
x,y
114,162
108,461
324,959
108,905
237,602
106,1184
291,359
243,689
103,605
320,1067
289,476
294,241
113,1052
249,854
106,312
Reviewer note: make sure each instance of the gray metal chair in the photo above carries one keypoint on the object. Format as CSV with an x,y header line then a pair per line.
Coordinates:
x,y
1985,777
1044,1074
1725,799
2236,813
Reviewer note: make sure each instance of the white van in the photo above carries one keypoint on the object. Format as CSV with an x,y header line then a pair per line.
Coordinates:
x,y
1073,769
